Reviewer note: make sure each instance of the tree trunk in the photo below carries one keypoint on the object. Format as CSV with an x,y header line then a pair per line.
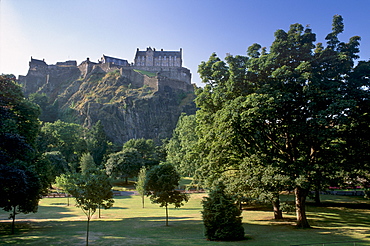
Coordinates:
x,y
99,211
317,197
87,230
278,214
13,222
142,200
166,214
300,202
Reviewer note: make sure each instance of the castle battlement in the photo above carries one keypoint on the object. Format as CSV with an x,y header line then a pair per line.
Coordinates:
x,y
167,65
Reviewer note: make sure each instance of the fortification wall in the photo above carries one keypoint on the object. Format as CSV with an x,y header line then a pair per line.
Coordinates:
x,y
164,82
137,79
177,73
151,82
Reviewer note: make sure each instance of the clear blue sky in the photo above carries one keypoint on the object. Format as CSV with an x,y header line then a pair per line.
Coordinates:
x,y
59,30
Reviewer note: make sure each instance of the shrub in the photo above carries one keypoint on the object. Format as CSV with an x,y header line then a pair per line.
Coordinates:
x,y
221,216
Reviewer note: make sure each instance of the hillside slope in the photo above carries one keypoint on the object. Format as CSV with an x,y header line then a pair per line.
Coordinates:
x,y
125,109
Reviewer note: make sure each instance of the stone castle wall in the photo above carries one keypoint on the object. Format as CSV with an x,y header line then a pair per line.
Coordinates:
x,y
42,76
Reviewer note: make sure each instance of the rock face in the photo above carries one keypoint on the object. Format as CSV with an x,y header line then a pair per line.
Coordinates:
x,y
130,103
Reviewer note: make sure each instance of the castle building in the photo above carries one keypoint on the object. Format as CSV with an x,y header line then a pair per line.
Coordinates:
x,y
35,63
154,58
113,60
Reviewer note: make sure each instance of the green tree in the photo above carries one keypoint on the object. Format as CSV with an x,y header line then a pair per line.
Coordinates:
x,y
141,183
221,216
20,188
68,138
97,143
49,112
182,147
19,192
147,149
64,182
57,161
292,104
161,182
91,190
124,164
87,162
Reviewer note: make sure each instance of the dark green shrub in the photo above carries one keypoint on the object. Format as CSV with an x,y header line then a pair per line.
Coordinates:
x,y
221,216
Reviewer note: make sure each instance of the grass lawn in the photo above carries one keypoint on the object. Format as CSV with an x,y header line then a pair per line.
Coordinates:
x,y
340,219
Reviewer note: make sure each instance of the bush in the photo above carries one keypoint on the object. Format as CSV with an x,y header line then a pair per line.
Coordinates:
x,y
221,216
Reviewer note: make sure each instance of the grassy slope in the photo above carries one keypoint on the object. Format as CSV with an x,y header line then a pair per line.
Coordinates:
x,y
129,224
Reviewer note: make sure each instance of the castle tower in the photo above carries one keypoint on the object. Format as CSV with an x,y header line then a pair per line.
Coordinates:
x,y
153,58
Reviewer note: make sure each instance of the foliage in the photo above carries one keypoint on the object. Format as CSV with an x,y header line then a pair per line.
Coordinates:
x,y
91,190
182,147
87,162
68,138
221,216
49,112
296,104
149,152
97,143
141,183
160,185
124,164
20,180
134,154
57,161
19,191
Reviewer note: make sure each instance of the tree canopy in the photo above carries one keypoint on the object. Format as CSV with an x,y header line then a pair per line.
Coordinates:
x,y
160,184
294,104
91,189
182,147
21,183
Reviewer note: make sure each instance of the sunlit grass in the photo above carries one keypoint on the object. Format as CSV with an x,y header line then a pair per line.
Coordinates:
x,y
128,224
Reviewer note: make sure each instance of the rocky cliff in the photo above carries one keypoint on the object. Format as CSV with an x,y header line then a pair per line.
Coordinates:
x,y
129,103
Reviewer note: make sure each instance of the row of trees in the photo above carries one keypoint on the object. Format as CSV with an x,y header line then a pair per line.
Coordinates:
x,y
34,153
295,117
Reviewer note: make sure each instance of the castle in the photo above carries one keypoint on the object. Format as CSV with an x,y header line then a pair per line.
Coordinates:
x,y
166,66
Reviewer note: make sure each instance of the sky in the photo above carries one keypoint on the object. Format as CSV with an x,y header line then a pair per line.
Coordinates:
x,y
60,30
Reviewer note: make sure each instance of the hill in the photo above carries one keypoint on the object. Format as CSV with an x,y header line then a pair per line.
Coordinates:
x,y
130,102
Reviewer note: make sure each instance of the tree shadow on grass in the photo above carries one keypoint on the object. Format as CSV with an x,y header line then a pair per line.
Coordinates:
x,y
182,230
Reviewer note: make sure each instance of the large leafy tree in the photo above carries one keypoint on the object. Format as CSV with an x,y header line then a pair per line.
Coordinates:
x,y
160,184
135,154
293,104
149,152
182,147
68,138
20,188
97,143
124,164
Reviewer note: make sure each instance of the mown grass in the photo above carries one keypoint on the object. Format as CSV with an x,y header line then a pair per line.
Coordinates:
x,y
147,73
340,219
